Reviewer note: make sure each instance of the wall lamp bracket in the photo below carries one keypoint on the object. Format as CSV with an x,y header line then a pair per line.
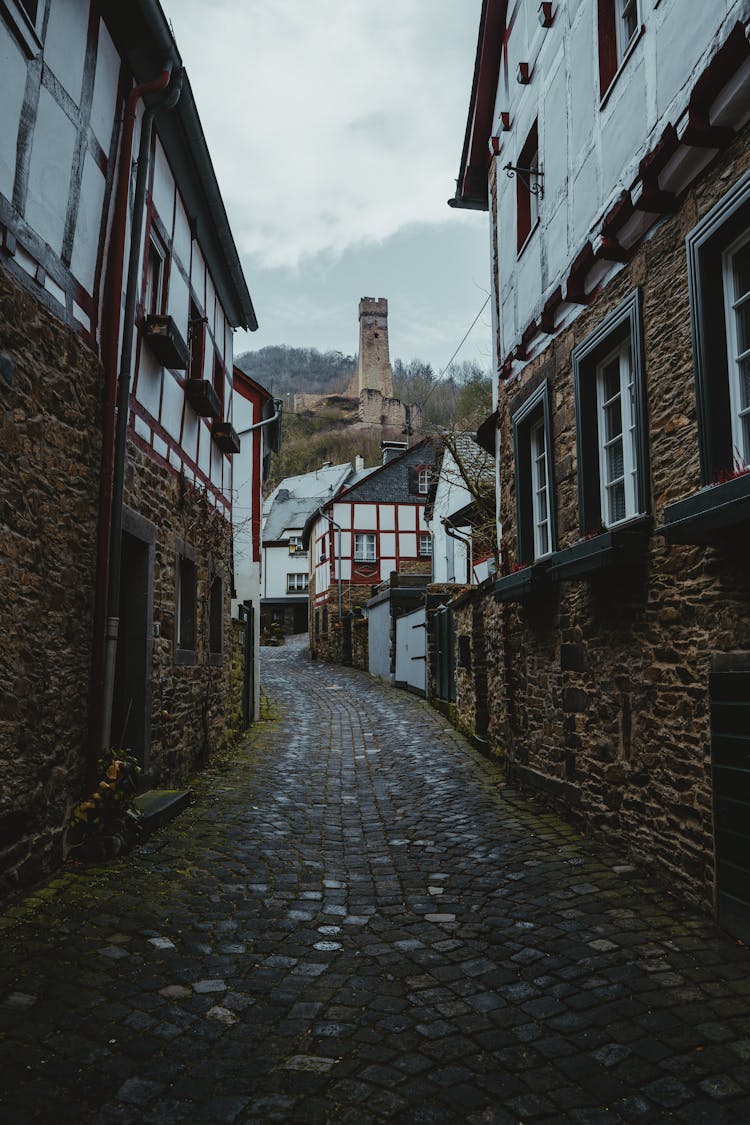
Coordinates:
x,y
526,175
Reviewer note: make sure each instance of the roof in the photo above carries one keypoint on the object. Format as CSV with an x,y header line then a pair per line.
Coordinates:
x,y
144,38
295,499
471,185
473,458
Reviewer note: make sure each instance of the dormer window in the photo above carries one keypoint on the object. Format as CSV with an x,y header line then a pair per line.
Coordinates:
x,y
423,482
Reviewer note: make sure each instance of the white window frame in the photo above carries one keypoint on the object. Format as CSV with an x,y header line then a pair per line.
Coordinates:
x,y
540,489
423,481
297,583
425,545
365,546
627,435
152,294
740,416
622,9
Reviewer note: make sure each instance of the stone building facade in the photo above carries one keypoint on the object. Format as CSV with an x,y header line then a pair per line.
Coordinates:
x,y
618,637
120,289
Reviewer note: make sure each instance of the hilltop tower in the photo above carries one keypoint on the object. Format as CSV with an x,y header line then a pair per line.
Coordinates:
x,y
374,372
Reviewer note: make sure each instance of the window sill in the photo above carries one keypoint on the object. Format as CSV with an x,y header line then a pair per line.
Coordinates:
x,y
185,656
522,584
709,515
617,546
625,58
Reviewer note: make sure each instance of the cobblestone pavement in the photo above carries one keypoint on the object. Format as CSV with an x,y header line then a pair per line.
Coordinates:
x,y
358,922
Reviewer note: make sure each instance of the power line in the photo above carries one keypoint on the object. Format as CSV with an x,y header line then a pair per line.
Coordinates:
x,y
458,349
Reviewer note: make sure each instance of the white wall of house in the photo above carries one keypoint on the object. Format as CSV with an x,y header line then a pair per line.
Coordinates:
x,y
451,494
589,149
280,569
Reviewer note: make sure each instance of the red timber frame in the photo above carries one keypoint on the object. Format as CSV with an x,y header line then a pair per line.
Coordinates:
x,y
248,389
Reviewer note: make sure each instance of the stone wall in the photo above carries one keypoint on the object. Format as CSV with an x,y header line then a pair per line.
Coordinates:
x,y
192,704
50,452
605,702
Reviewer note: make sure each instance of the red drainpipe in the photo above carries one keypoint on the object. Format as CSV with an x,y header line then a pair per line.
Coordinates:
x,y
110,347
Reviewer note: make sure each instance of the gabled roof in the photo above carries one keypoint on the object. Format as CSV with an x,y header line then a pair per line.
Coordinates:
x,y
143,35
471,185
295,499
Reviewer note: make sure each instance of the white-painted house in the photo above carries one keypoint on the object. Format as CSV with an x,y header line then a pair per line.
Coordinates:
x,y
116,259
463,473
286,562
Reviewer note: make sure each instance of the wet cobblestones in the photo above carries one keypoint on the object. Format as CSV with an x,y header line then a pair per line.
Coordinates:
x,y
358,922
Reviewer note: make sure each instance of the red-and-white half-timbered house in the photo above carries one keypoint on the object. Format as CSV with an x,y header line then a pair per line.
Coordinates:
x,y
120,290
372,529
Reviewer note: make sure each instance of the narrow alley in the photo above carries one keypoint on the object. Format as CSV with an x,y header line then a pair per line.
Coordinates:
x,y
357,921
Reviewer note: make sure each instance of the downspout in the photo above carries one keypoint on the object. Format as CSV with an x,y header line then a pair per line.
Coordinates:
x,y
460,538
266,421
110,341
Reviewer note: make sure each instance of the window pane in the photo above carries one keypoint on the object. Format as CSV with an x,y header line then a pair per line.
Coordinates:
x,y
742,320
610,375
615,461
616,494
613,420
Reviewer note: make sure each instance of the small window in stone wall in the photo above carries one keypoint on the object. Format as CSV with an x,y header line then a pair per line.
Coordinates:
x,y
464,652
325,623
185,636
216,616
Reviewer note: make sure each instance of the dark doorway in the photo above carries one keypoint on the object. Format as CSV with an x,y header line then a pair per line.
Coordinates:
x,y
730,760
131,705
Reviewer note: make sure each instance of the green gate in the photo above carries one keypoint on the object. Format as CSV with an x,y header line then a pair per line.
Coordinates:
x,y
729,694
445,658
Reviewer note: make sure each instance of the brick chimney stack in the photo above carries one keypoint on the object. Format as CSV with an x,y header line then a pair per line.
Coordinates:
x,y
374,371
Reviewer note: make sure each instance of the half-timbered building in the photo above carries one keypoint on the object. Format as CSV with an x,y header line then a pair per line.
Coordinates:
x,y
372,529
609,143
120,289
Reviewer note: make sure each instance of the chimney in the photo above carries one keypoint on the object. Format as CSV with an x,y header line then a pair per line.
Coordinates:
x,y
359,463
392,449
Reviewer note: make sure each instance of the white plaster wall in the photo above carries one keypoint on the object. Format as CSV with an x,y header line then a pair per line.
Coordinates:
x,y
88,225
342,514
407,546
12,89
407,518
49,172
589,152
387,543
105,88
387,517
65,43
366,516
172,406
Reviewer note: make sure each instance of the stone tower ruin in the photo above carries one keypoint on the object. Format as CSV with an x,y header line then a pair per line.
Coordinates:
x,y
374,372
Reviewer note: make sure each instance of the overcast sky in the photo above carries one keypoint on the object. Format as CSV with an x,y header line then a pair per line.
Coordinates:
x,y
336,128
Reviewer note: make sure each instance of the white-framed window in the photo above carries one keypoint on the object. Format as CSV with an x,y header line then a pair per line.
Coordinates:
x,y
540,489
297,583
736,271
423,481
527,188
425,545
364,547
618,453
626,25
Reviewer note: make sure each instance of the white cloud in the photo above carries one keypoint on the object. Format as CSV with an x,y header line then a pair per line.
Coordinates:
x,y
330,122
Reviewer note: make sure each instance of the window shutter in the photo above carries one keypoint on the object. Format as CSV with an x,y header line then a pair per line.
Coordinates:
x,y
607,45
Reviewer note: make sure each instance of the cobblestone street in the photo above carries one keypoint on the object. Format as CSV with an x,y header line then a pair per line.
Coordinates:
x,y
357,921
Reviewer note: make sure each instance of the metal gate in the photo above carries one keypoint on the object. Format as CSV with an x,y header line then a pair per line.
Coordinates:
x,y
729,694
445,659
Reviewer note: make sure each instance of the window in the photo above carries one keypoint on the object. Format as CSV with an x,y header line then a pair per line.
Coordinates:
x,y
364,547
618,30
25,20
425,545
737,308
196,341
297,583
423,481
534,497
608,376
539,490
527,188
216,616
152,294
185,630
218,382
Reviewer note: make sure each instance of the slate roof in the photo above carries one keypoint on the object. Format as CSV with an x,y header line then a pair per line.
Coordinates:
x,y
295,499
